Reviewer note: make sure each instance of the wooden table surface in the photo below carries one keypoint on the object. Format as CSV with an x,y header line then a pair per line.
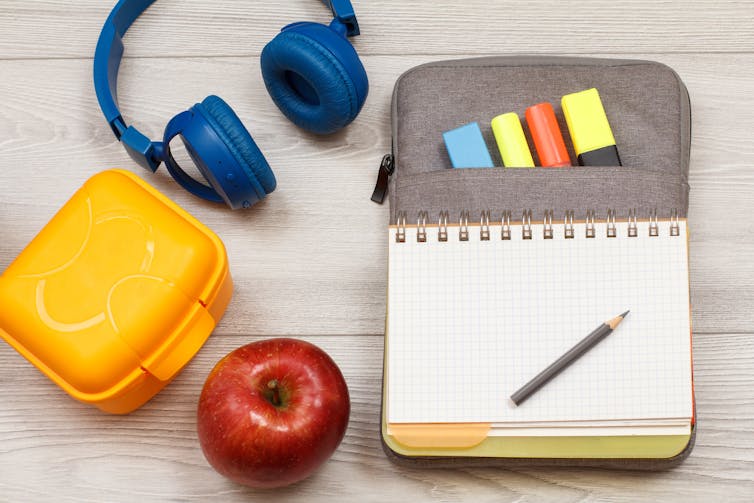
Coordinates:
x,y
310,262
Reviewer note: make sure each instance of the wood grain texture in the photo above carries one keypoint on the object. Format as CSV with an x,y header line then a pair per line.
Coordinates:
x,y
52,133
242,27
311,260
53,447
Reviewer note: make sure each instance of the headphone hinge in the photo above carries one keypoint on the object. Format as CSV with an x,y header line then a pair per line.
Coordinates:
x,y
141,149
343,12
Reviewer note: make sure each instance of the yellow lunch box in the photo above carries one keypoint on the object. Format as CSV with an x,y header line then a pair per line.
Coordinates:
x,y
116,293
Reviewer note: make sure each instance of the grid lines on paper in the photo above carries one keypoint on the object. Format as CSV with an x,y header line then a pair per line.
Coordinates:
x,y
471,322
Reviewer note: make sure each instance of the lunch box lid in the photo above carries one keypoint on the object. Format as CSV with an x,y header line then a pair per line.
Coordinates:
x,y
121,282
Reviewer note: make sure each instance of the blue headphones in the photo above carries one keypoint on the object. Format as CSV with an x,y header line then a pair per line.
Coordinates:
x,y
311,71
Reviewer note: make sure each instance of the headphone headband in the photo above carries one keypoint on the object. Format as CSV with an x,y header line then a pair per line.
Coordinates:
x,y
107,58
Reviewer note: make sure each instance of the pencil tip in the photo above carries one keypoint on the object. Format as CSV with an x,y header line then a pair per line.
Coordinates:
x,y
616,321
624,314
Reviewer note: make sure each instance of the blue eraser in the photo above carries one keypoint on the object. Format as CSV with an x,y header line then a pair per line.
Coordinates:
x,y
466,147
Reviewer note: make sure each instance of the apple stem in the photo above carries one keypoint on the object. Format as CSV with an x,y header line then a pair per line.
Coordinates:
x,y
273,386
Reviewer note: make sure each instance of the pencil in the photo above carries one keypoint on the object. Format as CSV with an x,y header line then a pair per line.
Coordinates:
x,y
567,359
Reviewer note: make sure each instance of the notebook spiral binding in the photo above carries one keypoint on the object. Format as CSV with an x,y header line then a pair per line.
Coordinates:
x,y
592,223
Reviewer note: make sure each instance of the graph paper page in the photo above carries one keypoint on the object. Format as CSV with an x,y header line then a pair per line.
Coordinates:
x,y
471,322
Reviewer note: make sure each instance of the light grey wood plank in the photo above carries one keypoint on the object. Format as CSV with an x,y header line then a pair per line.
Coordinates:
x,y
53,447
53,28
53,137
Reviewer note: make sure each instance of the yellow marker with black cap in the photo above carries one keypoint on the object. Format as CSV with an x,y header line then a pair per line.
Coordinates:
x,y
592,137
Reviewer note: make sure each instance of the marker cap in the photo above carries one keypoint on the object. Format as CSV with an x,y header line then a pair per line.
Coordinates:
x,y
548,140
589,128
511,141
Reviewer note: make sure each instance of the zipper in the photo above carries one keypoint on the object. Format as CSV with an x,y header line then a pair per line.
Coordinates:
x,y
387,167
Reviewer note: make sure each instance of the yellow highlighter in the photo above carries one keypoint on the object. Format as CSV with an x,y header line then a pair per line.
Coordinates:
x,y
511,141
590,131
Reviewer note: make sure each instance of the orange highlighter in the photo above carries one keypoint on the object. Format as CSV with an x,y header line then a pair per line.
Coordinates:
x,y
548,140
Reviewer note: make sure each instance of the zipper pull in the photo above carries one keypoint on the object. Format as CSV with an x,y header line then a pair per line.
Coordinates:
x,y
387,166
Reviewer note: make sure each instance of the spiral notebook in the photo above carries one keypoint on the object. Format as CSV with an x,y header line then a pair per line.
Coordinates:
x,y
475,310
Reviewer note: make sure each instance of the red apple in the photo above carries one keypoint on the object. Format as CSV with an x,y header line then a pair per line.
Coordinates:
x,y
272,412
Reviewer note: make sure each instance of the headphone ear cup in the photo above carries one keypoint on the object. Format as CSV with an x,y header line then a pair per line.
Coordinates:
x,y
236,137
315,77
